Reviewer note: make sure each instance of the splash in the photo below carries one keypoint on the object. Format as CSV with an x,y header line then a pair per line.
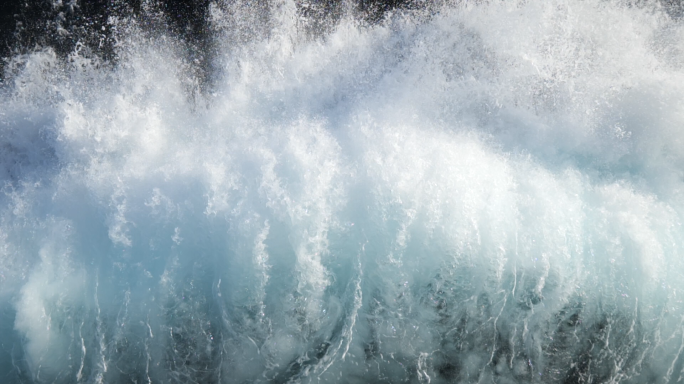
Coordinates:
x,y
480,191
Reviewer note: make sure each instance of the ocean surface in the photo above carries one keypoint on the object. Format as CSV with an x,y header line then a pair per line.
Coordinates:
x,y
469,192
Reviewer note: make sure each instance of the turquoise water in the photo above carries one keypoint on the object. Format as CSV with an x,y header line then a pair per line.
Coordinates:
x,y
475,192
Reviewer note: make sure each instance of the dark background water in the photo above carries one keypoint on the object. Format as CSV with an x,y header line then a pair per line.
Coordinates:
x,y
26,25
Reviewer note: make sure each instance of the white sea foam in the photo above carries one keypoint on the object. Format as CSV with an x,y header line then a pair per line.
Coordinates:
x,y
481,192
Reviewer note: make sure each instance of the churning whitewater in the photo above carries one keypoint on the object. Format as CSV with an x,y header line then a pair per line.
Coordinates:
x,y
479,192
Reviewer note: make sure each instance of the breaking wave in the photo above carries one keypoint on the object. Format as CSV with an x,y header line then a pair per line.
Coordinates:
x,y
473,192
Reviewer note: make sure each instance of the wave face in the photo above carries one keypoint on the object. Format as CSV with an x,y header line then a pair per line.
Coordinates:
x,y
475,192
